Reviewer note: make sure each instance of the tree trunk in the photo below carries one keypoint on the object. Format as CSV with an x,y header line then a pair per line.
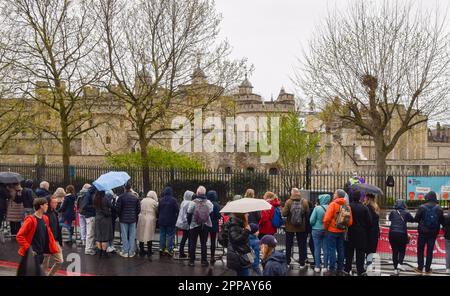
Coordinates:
x,y
66,158
143,143
381,166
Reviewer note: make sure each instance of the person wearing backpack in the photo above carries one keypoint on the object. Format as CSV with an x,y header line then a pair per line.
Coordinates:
x,y
296,210
270,219
318,232
167,217
398,233
199,220
336,221
429,216
215,217
358,235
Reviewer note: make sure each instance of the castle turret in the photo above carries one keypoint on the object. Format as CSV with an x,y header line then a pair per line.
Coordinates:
x,y
198,76
284,97
246,88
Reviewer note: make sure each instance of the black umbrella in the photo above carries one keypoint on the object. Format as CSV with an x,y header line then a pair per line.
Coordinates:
x,y
367,189
10,178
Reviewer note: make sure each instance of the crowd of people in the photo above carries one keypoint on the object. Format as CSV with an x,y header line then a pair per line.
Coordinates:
x,y
338,229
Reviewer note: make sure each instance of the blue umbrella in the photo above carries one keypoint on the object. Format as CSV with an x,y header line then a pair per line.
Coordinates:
x,y
111,180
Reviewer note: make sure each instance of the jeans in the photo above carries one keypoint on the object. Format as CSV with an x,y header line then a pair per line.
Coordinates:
x,y
429,240
82,220
301,241
243,272
166,236
320,243
398,243
128,235
90,234
349,254
213,237
447,254
194,233
335,242
183,241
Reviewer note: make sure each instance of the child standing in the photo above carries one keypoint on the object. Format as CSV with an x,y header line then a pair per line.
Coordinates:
x,y
254,244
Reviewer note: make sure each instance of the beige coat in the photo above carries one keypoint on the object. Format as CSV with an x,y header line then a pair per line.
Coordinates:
x,y
146,225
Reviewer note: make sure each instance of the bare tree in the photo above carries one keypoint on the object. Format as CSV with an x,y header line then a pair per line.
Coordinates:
x,y
54,46
380,63
152,49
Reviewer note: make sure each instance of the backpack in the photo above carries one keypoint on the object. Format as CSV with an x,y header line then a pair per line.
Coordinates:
x,y
297,213
343,217
277,220
431,219
201,212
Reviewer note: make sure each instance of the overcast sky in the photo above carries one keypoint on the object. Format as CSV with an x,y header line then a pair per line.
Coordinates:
x,y
270,33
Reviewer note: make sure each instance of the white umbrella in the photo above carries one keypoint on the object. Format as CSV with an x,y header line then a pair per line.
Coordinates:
x,y
246,205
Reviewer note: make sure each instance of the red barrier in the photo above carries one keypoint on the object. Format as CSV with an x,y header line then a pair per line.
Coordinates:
x,y
411,248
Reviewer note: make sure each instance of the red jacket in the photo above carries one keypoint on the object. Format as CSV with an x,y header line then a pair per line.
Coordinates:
x,y
265,224
26,234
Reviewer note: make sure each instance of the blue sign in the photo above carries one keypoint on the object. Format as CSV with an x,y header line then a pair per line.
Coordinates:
x,y
72,171
418,187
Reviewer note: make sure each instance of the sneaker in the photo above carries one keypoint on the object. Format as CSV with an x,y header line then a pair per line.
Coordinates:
x,y
124,255
447,271
191,263
92,253
325,270
169,254
396,272
401,267
131,255
302,266
369,268
317,270
418,271
110,250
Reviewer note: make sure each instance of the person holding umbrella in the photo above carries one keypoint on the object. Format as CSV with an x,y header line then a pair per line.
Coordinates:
x,y
236,233
11,200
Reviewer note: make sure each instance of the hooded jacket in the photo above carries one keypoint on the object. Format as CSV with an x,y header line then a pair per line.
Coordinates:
x,y
329,220
286,212
265,224
26,233
215,215
146,225
399,218
358,232
318,213
87,203
420,218
275,265
182,222
128,208
168,209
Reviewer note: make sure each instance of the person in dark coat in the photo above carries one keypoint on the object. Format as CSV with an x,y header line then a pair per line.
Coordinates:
x,y
28,196
103,224
357,234
43,190
67,211
273,262
215,217
128,208
237,230
167,216
4,197
429,216
53,222
398,233
374,230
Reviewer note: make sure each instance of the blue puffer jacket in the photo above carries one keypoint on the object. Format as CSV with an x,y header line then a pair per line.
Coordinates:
x,y
275,265
168,209
399,222
128,208
215,215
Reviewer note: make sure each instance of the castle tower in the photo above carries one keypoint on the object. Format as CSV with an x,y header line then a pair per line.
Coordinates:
x,y
285,97
198,76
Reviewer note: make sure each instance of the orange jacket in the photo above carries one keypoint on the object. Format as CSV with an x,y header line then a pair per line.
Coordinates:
x,y
26,234
329,220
